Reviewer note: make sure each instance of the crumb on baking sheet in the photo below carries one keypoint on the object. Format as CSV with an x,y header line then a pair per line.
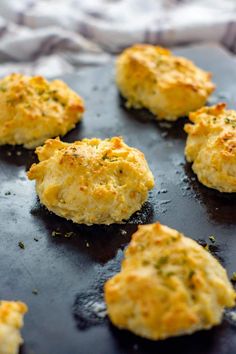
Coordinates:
x,y
55,233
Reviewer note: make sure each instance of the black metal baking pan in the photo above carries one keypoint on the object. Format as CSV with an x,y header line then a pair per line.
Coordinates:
x,y
61,277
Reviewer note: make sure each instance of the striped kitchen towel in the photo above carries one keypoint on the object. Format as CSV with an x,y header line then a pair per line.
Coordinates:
x,y
55,37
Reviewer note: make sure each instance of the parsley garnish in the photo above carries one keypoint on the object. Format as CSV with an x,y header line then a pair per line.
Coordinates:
x,y
191,274
162,260
212,238
233,278
21,245
105,157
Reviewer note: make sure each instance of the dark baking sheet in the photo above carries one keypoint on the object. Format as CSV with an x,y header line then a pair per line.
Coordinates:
x,y
69,272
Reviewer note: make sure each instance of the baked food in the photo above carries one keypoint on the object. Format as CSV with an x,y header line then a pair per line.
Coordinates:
x,y
11,321
152,77
91,181
33,110
211,146
168,286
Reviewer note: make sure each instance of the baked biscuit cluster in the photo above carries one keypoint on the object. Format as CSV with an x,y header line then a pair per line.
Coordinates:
x,y
211,146
168,286
92,181
11,321
152,77
33,110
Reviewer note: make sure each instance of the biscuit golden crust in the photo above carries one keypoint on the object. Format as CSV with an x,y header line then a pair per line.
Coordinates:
x,y
91,181
170,87
211,146
168,286
11,321
33,110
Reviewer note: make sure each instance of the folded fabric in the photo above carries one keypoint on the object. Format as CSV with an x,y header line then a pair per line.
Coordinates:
x,y
54,37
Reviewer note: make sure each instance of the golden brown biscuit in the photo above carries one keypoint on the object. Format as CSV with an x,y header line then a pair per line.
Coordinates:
x,y
152,77
91,181
11,321
168,286
33,110
211,146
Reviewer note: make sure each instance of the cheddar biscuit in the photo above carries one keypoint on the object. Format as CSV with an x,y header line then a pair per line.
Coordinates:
x,y
11,321
211,146
33,110
92,181
168,286
152,77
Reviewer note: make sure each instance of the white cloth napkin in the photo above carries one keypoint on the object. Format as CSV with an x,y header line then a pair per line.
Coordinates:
x,y
53,37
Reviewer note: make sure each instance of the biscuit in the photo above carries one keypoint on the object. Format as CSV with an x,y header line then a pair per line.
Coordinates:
x,y
211,147
168,286
91,181
33,110
11,321
152,77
